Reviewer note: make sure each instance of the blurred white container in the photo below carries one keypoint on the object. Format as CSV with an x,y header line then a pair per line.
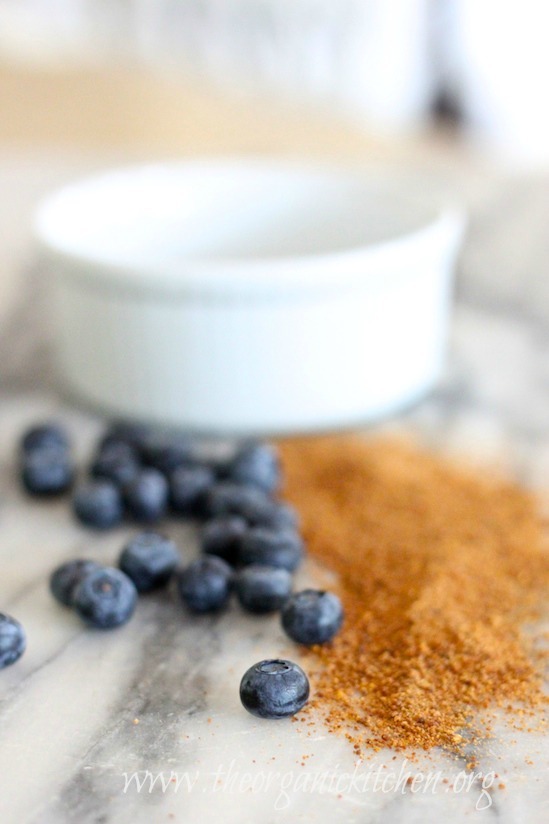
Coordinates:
x,y
503,66
366,57
248,297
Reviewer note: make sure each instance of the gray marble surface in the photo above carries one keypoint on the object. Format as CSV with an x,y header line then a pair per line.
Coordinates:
x,y
144,724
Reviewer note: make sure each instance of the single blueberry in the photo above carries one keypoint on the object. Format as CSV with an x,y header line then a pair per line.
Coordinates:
x,y
128,432
47,471
146,496
221,465
271,547
229,498
312,616
165,451
274,689
256,464
98,504
45,435
65,579
105,598
263,589
280,516
13,640
188,485
205,585
117,462
222,537
149,559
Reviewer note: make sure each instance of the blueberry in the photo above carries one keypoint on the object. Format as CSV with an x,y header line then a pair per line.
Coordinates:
x,y
45,435
117,462
274,689
312,616
271,547
280,516
228,498
205,585
98,504
166,451
46,471
12,640
128,432
146,496
188,484
256,464
263,589
105,598
65,579
222,537
221,465
149,559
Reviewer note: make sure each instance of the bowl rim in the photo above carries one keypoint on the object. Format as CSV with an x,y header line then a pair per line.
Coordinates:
x,y
253,276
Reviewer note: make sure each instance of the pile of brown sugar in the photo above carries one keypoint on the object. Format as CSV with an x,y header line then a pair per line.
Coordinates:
x,y
439,569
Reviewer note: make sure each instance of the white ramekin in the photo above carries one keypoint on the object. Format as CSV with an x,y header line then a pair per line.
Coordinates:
x,y
248,296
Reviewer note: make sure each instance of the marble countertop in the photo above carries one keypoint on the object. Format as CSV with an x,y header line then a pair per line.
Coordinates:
x,y
144,724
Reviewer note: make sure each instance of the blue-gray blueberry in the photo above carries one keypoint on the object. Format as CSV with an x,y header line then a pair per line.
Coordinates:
x,y
271,547
274,689
130,433
98,504
118,462
105,598
256,464
65,578
45,435
146,496
188,486
166,451
12,640
149,559
205,585
312,616
222,537
262,589
279,515
46,471
230,498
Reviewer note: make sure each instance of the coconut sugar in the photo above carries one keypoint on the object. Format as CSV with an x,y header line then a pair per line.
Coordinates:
x,y
439,569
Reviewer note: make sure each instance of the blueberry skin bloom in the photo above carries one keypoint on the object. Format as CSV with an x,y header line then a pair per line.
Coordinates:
x,y
222,537
205,585
13,640
312,616
256,464
146,497
65,579
46,471
105,598
188,484
149,559
274,689
271,547
45,435
98,504
263,589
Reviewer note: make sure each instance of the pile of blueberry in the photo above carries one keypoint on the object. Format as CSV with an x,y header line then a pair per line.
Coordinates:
x,y
249,538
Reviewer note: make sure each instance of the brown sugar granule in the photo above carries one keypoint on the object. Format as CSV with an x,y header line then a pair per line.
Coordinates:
x,y
438,568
